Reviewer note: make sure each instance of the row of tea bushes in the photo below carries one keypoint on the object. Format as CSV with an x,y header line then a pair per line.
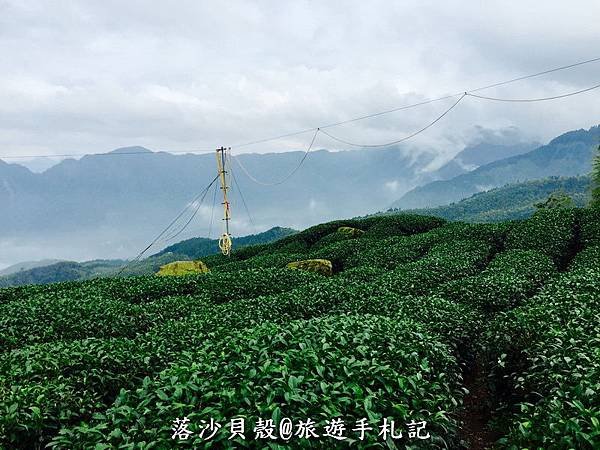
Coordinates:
x,y
116,307
444,262
509,279
340,366
551,232
411,297
547,362
52,374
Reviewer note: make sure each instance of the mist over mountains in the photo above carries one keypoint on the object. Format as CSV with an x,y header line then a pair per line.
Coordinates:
x,y
111,206
567,155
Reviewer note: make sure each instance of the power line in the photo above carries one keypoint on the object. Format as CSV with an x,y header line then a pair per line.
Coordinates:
x,y
289,175
198,205
410,136
545,72
137,258
239,189
212,212
425,102
529,100
330,125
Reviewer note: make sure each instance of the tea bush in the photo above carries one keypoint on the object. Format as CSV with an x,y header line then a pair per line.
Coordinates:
x,y
413,302
399,225
386,253
509,279
115,308
586,259
348,367
547,360
549,231
590,226
444,262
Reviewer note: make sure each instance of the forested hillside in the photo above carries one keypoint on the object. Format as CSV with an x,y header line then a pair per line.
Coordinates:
x,y
185,250
511,202
567,155
198,247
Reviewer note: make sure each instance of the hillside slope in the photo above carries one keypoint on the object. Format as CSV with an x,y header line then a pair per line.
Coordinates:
x,y
510,202
414,307
198,247
61,271
189,249
26,265
568,155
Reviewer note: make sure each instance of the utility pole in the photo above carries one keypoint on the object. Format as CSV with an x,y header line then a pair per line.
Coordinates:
x,y
225,239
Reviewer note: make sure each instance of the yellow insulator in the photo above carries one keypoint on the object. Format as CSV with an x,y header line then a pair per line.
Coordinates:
x,y
225,244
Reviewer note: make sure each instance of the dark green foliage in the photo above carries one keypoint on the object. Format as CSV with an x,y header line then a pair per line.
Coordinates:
x,y
556,200
312,235
197,248
595,203
111,362
586,259
509,279
351,367
116,308
513,201
549,231
190,249
546,359
444,262
389,252
590,226
399,225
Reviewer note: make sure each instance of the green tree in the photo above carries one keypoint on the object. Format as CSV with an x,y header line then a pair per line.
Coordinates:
x,y
556,200
596,181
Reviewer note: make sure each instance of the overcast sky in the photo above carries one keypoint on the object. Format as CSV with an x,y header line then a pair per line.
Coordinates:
x,y
91,76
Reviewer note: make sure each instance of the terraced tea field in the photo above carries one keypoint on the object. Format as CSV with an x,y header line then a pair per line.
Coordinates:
x,y
414,307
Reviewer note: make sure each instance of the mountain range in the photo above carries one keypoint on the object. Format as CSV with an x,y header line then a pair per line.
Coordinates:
x,y
110,206
570,154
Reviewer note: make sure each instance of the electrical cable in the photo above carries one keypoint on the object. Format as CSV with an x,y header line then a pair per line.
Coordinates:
x,y
289,175
368,116
239,189
181,230
544,72
137,258
529,100
405,138
425,102
470,94
212,212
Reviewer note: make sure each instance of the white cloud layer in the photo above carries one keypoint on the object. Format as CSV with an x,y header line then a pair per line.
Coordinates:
x,y
90,76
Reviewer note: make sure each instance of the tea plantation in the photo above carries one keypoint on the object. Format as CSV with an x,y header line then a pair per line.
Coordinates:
x,y
414,305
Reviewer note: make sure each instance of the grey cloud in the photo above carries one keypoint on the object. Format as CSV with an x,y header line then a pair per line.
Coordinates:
x,y
185,75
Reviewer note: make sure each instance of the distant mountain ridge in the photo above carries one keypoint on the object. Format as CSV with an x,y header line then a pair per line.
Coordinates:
x,y
194,248
198,247
567,155
103,207
27,265
481,154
